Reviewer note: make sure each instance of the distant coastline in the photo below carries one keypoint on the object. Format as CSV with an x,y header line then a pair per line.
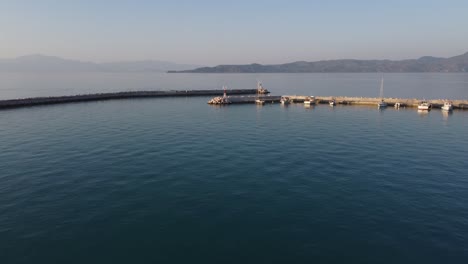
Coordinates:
x,y
424,64
40,64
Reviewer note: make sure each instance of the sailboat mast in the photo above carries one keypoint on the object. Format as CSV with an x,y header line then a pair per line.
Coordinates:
x,y
381,88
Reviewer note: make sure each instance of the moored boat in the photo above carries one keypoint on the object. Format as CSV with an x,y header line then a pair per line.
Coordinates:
x,y
284,100
260,90
447,106
424,106
332,102
309,100
382,103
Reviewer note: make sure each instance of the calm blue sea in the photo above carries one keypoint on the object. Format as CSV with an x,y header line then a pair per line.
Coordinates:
x,y
174,180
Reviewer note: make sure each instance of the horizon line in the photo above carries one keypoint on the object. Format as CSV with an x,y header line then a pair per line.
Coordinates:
x,y
203,65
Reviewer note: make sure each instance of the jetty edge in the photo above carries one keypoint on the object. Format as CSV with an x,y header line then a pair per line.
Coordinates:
x,y
36,101
403,102
339,100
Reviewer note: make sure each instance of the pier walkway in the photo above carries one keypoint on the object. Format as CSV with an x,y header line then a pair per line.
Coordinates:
x,y
15,103
235,96
404,102
343,100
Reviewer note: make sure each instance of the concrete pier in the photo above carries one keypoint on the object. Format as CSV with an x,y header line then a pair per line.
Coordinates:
x,y
15,103
404,102
236,96
343,100
247,99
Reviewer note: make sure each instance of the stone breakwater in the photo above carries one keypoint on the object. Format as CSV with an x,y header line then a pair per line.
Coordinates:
x,y
343,100
220,100
404,102
25,102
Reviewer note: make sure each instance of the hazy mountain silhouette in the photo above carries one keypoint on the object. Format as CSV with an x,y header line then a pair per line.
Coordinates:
x,y
423,64
42,63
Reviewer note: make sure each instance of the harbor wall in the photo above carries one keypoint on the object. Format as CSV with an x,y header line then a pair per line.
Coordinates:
x,y
25,102
236,96
346,100
251,99
404,102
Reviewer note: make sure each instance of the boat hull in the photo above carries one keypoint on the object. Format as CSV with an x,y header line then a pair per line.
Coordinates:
x,y
446,108
424,108
381,105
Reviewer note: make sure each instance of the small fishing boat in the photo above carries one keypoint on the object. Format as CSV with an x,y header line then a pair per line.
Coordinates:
x,y
284,100
382,104
309,100
260,90
447,106
424,106
397,105
332,102
259,101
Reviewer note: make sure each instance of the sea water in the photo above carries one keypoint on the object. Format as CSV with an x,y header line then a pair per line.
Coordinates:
x,y
174,180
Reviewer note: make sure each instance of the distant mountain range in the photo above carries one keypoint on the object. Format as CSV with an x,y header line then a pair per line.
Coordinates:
x,y
42,63
424,64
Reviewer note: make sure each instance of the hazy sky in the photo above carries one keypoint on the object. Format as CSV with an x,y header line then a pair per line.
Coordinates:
x,y
232,32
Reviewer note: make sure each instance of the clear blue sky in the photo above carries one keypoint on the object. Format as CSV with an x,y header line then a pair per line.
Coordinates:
x,y
232,32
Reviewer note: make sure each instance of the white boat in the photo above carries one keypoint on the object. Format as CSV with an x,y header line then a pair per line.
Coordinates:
x,y
309,100
397,105
260,90
447,106
259,101
382,103
284,100
332,102
424,105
